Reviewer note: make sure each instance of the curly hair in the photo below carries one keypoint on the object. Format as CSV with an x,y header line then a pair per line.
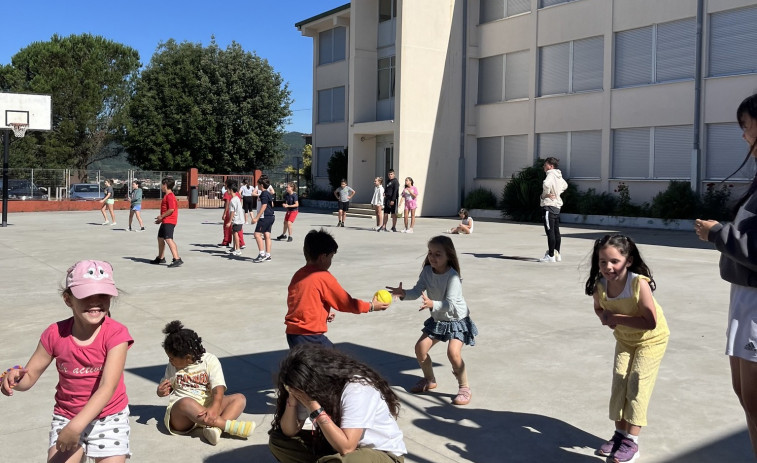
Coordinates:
x,y
627,248
322,372
181,341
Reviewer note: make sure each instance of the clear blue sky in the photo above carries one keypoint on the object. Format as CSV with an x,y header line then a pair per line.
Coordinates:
x,y
260,26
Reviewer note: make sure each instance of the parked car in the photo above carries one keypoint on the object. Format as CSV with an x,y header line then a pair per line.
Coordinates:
x,y
23,190
85,192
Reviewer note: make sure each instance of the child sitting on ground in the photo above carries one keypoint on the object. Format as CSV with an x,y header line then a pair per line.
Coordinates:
x,y
466,224
194,380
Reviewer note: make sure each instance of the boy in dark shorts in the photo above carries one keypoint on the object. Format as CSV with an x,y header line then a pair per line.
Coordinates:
x,y
169,214
291,204
391,195
313,291
343,195
236,219
264,221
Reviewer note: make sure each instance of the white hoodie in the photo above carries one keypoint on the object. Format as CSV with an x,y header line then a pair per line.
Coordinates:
x,y
553,184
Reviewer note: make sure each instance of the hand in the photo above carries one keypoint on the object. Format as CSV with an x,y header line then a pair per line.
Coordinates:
x,y
391,203
164,388
427,303
11,380
551,196
702,228
254,220
398,291
228,225
331,316
68,439
208,416
158,219
378,305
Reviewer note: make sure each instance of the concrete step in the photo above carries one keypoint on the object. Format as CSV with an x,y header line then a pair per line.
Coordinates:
x,y
359,210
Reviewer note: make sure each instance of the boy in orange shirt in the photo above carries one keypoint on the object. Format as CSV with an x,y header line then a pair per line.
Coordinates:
x,y
314,291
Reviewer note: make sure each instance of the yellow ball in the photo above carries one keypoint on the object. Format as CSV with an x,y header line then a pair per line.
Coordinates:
x,y
384,296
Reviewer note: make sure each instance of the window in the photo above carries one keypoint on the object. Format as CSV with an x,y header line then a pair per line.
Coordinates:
x,y
545,3
510,69
386,78
332,45
324,155
331,105
492,10
655,54
725,152
579,152
571,67
500,157
387,10
733,42
652,152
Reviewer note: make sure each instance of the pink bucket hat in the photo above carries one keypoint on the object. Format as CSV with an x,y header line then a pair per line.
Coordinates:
x,y
88,277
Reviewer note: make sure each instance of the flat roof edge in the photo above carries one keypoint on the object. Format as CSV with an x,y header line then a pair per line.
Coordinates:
x,y
322,15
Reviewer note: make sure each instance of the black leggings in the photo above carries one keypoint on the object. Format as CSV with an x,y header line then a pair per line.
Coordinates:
x,y
552,228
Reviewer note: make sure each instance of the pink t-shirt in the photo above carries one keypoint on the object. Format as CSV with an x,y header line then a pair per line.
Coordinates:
x,y
80,367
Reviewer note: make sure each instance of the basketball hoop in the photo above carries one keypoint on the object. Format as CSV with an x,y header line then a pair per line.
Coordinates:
x,y
19,129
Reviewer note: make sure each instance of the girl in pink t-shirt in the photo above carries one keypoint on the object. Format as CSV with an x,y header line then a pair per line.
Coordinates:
x,y
409,195
91,413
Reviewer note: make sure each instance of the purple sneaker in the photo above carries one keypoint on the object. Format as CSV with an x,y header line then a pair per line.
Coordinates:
x,y
606,449
627,452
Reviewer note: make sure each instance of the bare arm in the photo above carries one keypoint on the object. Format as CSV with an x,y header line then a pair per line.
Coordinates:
x,y
25,378
647,318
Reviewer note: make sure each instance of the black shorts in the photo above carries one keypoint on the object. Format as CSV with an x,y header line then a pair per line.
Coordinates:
x,y
265,224
166,231
390,209
248,205
236,227
344,206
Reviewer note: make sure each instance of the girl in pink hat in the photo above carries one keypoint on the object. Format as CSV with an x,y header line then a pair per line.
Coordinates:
x,y
91,413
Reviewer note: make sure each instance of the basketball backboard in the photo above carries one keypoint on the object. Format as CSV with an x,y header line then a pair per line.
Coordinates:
x,y
26,108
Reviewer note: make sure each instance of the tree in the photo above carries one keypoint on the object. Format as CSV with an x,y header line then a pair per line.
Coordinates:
x,y
90,80
217,110
337,168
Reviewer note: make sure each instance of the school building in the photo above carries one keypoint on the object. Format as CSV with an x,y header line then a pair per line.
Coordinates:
x,y
460,94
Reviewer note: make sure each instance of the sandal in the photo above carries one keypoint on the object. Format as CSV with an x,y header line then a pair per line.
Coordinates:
x,y
463,396
423,385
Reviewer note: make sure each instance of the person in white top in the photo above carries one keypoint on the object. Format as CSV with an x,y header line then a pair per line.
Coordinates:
x,y
247,200
353,410
378,199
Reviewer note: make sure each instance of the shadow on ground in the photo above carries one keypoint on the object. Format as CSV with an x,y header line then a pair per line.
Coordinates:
x,y
732,448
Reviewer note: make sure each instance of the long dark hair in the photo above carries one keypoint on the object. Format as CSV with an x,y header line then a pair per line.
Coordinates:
x,y
748,107
322,372
626,247
449,249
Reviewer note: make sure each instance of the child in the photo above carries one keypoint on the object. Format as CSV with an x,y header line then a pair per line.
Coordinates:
x,y
409,194
194,380
622,285
343,195
236,219
227,238
169,216
449,321
136,205
108,202
313,290
291,204
91,413
550,201
247,200
466,224
378,200
264,224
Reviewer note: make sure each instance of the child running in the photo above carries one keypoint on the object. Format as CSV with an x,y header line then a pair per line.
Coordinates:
x,y
378,200
194,380
449,321
622,285
466,224
291,204
136,205
91,413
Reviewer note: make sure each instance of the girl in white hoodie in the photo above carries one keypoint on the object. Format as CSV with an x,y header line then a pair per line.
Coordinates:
x,y
552,187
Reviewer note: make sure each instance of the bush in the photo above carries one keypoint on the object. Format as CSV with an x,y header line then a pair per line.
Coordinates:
x,y
480,198
520,198
678,201
337,169
589,202
317,193
715,202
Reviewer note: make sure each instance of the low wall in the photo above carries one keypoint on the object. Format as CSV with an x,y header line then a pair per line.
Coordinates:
x,y
47,206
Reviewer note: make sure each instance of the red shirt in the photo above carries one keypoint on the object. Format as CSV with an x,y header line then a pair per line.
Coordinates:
x,y
169,202
80,367
311,294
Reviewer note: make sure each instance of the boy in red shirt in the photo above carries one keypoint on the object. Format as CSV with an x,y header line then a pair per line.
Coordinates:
x,y
169,214
314,291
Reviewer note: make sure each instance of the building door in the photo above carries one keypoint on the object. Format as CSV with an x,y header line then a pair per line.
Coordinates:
x,y
384,158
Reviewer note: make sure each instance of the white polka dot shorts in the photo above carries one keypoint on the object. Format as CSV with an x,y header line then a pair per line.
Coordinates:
x,y
103,437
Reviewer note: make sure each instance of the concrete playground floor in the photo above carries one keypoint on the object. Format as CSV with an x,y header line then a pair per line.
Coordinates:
x,y
540,371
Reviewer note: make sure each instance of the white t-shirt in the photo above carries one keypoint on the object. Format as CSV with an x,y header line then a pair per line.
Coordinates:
x,y
235,206
363,407
246,190
196,381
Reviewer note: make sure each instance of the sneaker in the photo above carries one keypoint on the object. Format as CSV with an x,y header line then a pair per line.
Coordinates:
x,y
114,223
140,230
242,246
176,263
289,240
547,258
423,385
609,447
280,237
394,229
230,250
129,229
266,259
339,224
105,223
558,257
404,231
259,259
463,396
409,230
628,451
211,434
236,253
158,260
380,229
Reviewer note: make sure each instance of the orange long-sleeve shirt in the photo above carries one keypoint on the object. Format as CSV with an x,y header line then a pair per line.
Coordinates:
x,y
311,294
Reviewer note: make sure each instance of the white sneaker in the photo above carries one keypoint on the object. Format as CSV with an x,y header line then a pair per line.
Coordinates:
x,y
212,434
236,253
547,258
558,258
409,230
105,223
404,231
112,224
